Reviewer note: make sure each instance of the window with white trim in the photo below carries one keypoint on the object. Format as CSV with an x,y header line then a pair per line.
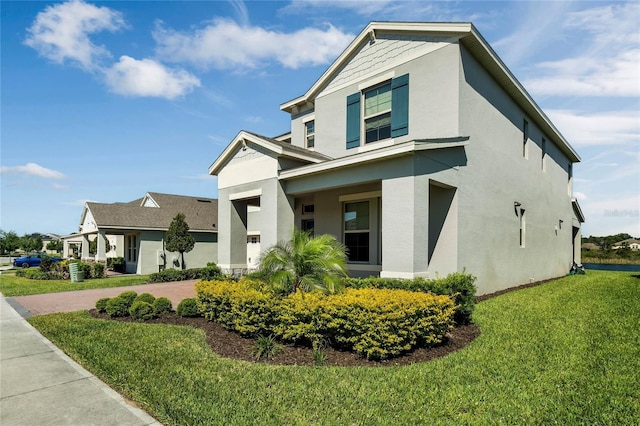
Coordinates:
x,y
310,134
380,111
357,230
377,113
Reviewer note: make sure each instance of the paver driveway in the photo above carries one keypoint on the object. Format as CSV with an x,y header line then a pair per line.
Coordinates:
x,y
69,301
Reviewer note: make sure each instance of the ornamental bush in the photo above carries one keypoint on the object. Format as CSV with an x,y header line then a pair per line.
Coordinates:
x,y
142,310
376,323
162,305
460,286
188,308
211,272
101,304
117,307
128,297
98,270
145,297
246,307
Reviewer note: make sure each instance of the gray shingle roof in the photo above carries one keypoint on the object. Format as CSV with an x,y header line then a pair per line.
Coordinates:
x,y
201,214
292,148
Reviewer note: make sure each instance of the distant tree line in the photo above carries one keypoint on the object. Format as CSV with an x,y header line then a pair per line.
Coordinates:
x,y
10,242
607,242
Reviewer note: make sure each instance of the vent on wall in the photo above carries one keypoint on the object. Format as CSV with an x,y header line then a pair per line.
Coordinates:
x,y
204,201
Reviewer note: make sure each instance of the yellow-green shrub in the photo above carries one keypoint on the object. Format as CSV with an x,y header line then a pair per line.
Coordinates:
x,y
300,317
244,306
376,323
383,323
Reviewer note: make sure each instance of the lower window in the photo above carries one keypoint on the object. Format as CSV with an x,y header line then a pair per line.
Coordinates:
x,y
356,231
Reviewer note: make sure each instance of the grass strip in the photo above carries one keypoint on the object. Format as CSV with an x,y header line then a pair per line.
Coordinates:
x,y
566,352
10,285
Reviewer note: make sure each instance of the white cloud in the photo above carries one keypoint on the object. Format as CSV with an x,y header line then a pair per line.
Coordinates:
x,y
609,64
363,8
580,196
241,11
590,76
224,44
147,77
33,169
605,128
59,187
60,32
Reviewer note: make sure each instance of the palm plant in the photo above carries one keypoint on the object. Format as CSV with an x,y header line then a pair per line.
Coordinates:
x,y
307,263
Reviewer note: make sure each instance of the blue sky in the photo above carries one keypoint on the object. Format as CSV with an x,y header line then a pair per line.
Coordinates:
x,y
105,101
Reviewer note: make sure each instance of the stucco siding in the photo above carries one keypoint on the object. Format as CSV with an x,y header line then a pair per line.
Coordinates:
x,y
433,103
497,177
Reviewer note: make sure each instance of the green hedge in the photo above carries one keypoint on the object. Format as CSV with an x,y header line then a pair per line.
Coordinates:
x,y
460,286
210,272
376,323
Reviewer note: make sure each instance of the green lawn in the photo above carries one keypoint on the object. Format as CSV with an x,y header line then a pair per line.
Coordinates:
x,y
566,352
10,285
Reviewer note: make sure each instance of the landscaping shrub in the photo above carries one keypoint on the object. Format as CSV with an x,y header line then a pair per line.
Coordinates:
x,y
98,270
162,305
36,274
141,310
376,323
101,304
129,297
145,297
245,306
117,307
188,308
113,261
212,271
45,264
460,286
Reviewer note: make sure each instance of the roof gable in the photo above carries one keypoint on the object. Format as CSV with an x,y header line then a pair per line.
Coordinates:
x,y
277,147
468,36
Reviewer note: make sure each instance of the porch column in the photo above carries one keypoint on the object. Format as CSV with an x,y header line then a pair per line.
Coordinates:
x,y
85,247
276,213
405,231
232,232
101,255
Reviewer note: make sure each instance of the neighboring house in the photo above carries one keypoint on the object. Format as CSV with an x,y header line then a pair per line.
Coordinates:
x,y
137,231
630,243
422,153
46,239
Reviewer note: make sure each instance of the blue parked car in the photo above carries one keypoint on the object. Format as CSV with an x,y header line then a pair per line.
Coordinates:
x,y
33,260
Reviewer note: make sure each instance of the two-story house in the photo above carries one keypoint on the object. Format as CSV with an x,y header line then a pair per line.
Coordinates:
x,y
420,152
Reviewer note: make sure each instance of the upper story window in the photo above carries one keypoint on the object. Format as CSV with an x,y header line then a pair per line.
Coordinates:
x,y
310,133
377,113
380,112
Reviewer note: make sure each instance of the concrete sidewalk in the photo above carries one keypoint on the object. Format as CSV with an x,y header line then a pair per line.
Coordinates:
x,y
40,385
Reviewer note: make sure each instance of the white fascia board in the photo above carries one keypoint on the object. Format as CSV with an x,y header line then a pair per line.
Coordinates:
x,y
380,154
577,209
432,27
243,138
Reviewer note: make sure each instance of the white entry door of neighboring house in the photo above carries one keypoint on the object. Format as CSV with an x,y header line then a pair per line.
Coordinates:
x,y
131,252
253,251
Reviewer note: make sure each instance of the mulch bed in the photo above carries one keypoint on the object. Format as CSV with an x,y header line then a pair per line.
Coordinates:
x,y
231,345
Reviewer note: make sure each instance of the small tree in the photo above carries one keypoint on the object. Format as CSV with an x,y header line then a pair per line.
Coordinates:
x,y
178,237
305,263
9,241
55,245
30,243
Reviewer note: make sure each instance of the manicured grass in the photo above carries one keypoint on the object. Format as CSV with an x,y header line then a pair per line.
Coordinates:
x,y
10,285
566,352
